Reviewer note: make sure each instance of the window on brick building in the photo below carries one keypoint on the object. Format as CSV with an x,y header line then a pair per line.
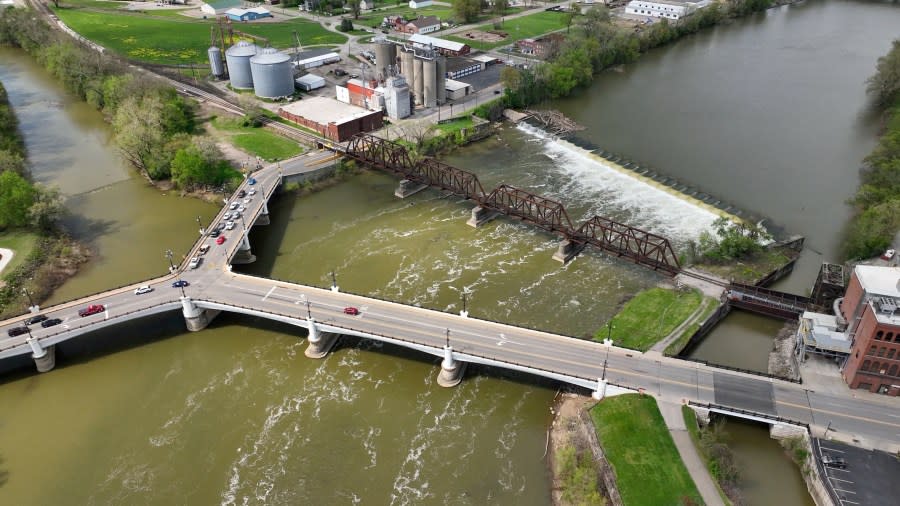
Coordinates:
x,y
881,351
866,364
890,353
879,335
872,350
876,368
890,335
893,371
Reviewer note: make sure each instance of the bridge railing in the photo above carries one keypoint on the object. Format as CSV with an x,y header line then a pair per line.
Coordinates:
x,y
393,338
748,412
745,371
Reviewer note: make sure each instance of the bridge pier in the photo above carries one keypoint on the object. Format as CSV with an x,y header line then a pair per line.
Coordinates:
x,y
44,358
243,255
320,343
196,318
480,216
451,370
567,250
600,393
263,218
408,187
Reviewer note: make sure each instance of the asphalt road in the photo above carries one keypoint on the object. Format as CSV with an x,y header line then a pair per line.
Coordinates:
x,y
872,423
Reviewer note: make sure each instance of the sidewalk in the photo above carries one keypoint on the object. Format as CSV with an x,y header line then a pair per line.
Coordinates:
x,y
671,413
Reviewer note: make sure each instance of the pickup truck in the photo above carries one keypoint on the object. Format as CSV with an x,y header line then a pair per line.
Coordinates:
x,y
92,309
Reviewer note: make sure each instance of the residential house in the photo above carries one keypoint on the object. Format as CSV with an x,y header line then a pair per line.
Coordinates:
x,y
418,4
422,24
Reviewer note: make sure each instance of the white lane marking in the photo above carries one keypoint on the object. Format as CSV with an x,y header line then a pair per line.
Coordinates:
x,y
832,449
838,479
837,469
269,293
848,501
847,491
503,340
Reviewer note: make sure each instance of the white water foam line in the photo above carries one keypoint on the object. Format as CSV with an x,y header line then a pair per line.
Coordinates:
x,y
594,165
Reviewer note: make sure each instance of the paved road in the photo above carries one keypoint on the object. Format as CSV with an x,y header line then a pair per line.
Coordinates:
x,y
213,284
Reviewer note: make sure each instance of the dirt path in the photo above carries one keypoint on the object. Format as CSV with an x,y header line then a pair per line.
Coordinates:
x,y
5,256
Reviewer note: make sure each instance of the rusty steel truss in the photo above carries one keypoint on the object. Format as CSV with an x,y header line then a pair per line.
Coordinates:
x,y
638,245
622,240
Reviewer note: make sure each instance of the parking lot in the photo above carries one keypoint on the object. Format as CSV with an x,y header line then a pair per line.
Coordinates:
x,y
855,476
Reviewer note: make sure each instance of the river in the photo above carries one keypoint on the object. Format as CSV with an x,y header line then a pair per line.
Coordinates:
x,y
236,414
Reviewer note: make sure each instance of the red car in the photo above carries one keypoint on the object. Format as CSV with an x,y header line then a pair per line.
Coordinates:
x,y
220,239
92,309
351,311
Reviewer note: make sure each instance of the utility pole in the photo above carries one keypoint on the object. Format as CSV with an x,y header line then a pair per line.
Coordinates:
x,y
169,255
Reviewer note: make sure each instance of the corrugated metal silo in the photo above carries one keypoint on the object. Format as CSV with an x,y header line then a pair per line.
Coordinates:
x,y
429,82
273,74
215,61
238,59
418,88
441,79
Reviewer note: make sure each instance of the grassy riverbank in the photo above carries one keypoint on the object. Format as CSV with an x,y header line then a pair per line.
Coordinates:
x,y
650,316
648,468
712,464
256,141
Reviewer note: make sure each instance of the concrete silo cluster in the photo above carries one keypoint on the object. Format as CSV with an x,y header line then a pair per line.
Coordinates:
x,y
268,72
425,71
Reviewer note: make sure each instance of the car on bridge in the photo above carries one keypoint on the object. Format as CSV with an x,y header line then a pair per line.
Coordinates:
x,y
214,233
220,240
251,181
252,192
194,263
241,194
180,284
35,319
226,216
92,309
229,225
51,322
203,249
233,206
142,290
17,331
351,311
247,201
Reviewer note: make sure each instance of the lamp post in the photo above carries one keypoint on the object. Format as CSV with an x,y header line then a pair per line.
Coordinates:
x,y
334,286
28,294
608,344
448,338
201,225
465,312
308,310
825,436
169,255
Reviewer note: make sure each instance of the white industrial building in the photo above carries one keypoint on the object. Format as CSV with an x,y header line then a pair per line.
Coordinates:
x,y
318,61
669,9
310,82
456,89
418,4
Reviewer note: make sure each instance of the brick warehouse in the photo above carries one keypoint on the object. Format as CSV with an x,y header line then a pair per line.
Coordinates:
x,y
332,119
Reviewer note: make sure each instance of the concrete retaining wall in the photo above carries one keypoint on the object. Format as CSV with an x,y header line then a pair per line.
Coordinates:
x,y
814,482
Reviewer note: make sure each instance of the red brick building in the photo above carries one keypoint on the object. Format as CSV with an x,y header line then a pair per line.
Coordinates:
x,y
332,119
871,308
542,47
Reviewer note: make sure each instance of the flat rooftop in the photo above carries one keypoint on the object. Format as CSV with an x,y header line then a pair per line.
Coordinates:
x,y
878,280
325,110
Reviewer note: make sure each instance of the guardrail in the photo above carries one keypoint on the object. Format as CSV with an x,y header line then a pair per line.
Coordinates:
x,y
757,414
738,369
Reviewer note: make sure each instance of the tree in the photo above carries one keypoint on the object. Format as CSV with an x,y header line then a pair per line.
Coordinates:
x,y
47,208
885,84
139,133
594,19
499,6
346,25
355,8
467,10
10,161
16,197
198,163
511,78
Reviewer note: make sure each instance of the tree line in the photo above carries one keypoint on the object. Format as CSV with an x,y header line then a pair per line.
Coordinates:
x,y
877,200
593,43
154,127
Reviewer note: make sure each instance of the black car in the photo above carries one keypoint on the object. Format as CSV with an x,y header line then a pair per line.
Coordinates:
x,y
51,322
214,233
180,283
17,331
35,319
241,194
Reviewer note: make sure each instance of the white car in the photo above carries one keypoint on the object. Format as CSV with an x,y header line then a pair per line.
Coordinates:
x,y
252,192
226,216
246,202
233,206
229,225
889,254
142,289
241,209
195,262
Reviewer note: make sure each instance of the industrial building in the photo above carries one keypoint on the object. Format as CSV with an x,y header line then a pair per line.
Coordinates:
x,y
669,9
236,14
310,82
216,7
317,60
457,90
422,24
272,73
445,47
425,71
332,119
461,67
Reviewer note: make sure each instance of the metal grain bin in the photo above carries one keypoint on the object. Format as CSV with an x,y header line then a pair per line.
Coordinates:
x,y
215,61
238,59
273,74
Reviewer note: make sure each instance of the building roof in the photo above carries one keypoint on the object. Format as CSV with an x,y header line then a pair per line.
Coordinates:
x,y
324,110
424,40
458,63
484,58
662,2
821,332
878,280
310,79
326,56
223,4
425,21
452,85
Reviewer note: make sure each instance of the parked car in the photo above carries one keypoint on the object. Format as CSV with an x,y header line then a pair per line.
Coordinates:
x,y
51,322
17,331
220,240
251,181
194,263
889,254
229,225
214,233
351,311
142,289
35,319
180,284
241,194
92,309
830,461
203,249
341,72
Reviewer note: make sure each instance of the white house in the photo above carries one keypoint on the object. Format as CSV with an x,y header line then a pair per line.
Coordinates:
x,y
366,5
669,9
216,7
418,4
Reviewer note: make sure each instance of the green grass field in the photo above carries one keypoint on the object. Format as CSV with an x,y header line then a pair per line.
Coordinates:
x,y
650,316
519,28
259,141
649,470
173,40
21,243
675,347
455,125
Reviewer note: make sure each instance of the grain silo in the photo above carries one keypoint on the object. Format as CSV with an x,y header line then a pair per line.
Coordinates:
x,y
441,80
273,74
385,56
429,82
215,61
238,59
417,88
396,97
406,66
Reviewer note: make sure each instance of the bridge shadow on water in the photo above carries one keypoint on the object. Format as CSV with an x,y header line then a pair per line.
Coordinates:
x,y
266,240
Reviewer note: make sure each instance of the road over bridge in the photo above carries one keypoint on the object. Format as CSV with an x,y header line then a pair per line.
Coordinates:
x,y
457,339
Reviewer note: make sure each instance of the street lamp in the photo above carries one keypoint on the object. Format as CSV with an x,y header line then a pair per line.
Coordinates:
x,y
201,225
825,436
333,282
28,294
308,311
169,255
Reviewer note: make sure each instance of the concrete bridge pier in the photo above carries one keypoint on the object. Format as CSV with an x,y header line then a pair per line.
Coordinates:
x,y
567,250
44,358
320,343
196,318
600,393
263,218
243,255
451,370
408,187
480,216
